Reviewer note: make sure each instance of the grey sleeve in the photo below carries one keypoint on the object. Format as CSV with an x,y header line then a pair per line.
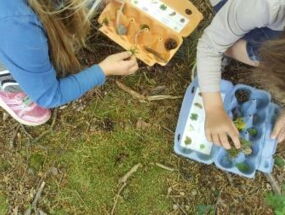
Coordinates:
x,y
231,23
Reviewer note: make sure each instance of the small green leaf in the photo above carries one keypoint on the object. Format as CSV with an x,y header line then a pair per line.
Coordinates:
x,y
163,7
188,141
198,105
240,124
202,146
194,117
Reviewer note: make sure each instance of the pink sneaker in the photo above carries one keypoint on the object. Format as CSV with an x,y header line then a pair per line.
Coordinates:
x,y
22,109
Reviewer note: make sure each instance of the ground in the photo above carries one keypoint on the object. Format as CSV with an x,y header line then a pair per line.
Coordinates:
x,y
90,144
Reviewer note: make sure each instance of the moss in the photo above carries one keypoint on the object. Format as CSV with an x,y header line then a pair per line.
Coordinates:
x,y
252,132
240,124
243,167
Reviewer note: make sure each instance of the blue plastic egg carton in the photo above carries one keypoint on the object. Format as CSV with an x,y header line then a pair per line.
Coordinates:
x,y
258,112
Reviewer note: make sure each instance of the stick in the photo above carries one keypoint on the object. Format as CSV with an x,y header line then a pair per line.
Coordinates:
x,y
123,182
38,195
164,167
117,197
36,199
12,141
181,209
133,93
26,132
274,184
142,98
162,97
129,174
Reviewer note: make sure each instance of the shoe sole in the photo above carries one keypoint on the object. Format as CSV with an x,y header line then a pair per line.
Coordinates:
x,y
8,110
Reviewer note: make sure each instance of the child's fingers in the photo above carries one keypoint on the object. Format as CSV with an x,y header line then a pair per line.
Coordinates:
x,y
133,69
209,136
277,129
281,136
130,63
225,141
122,55
216,139
235,138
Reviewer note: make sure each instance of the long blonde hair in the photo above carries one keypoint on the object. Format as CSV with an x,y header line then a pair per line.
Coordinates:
x,y
67,24
271,72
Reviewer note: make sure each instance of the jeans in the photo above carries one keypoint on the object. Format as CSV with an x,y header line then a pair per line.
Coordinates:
x,y
255,38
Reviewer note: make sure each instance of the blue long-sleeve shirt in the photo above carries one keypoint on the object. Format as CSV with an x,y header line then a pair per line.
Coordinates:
x,y
25,53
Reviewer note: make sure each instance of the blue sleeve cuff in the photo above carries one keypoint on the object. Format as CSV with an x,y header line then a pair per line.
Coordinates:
x,y
94,75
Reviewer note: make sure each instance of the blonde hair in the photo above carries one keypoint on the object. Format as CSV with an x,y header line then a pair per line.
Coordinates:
x,y
67,24
271,72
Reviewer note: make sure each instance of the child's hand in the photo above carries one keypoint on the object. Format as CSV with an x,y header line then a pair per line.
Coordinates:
x,y
279,129
219,128
119,64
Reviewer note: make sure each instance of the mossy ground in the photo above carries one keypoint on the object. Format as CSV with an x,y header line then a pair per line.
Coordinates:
x,y
96,140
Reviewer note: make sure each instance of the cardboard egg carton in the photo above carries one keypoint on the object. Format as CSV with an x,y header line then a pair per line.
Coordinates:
x,y
152,29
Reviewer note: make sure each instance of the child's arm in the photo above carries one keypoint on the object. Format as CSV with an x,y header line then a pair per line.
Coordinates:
x,y
232,22
24,51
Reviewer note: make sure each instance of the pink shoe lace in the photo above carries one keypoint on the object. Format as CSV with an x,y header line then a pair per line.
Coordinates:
x,y
21,108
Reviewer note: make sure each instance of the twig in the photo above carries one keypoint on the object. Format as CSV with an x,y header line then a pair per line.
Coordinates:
x,y
164,167
38,195
142,98
123,182
230,178
12,141
36,199
117,197
219,200
26,132
37,139
129,173
133,93
162,97
182,210
274,184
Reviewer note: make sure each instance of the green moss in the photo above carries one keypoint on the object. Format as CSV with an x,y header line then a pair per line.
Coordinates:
x,y
3,204
36,161
279,161
277,202
252,132
240,124
243,167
